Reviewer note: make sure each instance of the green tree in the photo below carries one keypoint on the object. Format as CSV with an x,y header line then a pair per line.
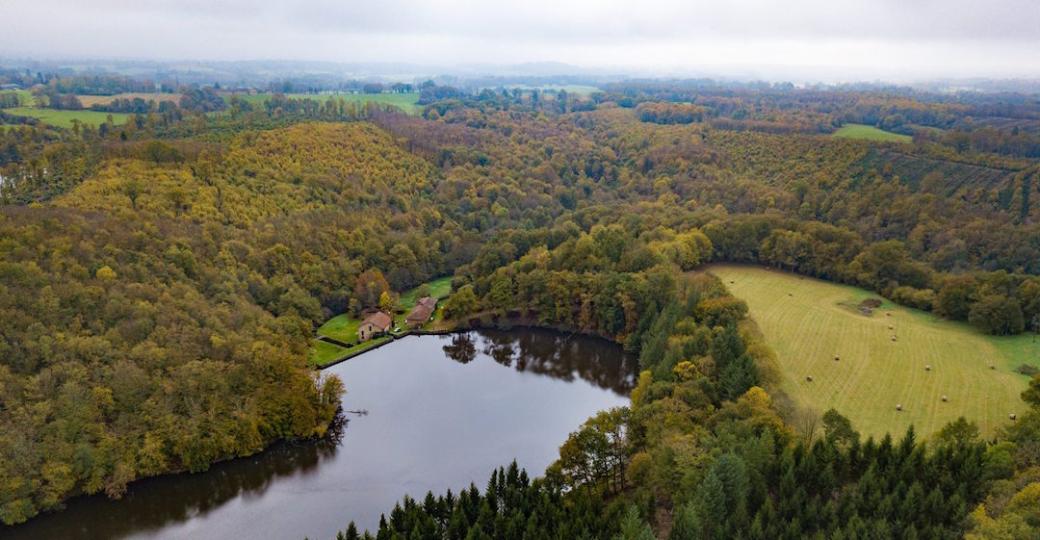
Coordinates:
x,y
462,303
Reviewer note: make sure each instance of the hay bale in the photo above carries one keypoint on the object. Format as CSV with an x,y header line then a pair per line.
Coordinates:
x,y
790,294
808,378
944,398
899,406
888,314
893,338
991,366
836,358
1013,416
928,367
890,327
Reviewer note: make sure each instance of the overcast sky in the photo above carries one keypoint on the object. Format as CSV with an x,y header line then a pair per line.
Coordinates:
x,y
798,39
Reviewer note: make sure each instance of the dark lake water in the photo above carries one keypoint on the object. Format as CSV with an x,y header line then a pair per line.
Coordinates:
x,y
442,411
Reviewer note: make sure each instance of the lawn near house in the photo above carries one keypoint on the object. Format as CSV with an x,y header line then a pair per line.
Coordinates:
x,y
344,328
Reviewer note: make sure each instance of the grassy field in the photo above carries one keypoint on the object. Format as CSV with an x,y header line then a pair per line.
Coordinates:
x,y
439,288
808,322
342,327
323,352
407,102
89,101
64,118
25,98
870,133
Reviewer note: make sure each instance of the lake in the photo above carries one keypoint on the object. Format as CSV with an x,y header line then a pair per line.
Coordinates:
x,y
436,412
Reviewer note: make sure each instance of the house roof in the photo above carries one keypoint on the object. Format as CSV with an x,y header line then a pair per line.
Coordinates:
x,y
422,310
378,319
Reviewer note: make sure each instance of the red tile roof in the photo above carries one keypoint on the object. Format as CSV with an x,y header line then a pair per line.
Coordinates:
x,y
379,319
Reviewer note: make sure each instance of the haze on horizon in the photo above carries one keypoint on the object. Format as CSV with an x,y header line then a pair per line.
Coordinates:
x,y
802,40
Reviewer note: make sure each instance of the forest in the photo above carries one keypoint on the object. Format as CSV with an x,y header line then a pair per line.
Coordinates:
x,y
161,280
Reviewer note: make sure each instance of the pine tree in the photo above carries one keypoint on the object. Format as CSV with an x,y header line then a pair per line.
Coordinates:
x,y
685,525
633,528
711,504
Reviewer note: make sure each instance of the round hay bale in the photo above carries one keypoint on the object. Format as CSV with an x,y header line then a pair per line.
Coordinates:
x,y
899,406
893,338
944,398
991,366
1013,416
808,378
928,367
888,314
890,327
836,358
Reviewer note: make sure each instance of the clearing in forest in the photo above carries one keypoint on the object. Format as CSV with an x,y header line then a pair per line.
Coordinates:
x,y
89,101
886,356
64,118
408,101
870,133
343,328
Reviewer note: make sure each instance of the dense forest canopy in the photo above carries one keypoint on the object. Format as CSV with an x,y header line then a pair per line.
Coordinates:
x,y
160,281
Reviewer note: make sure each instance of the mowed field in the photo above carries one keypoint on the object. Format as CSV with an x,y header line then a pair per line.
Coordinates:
x,y
870,133
406,102
808,322
89,101
64,118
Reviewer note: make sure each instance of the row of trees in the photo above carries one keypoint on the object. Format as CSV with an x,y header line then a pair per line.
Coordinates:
x,y
995,302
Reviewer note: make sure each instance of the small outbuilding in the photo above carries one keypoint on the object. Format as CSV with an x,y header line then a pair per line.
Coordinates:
x,y
376,324
422,312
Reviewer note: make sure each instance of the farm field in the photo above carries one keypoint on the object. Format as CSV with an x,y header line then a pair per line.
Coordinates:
x,y
25,98
808,322
157,97
64,118
407,102
870,133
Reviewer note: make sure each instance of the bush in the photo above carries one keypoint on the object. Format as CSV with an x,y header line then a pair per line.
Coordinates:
x,y
1026,369
918,298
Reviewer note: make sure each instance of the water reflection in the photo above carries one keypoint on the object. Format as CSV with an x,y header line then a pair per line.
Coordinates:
x,y
432,425
157,502
558,355
461,349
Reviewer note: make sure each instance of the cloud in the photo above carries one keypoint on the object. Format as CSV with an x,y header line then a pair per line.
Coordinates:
x,y
851,38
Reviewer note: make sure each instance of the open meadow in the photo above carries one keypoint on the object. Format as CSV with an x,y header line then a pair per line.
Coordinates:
x,y
64,118
89,101
870,133
864,365
406,102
